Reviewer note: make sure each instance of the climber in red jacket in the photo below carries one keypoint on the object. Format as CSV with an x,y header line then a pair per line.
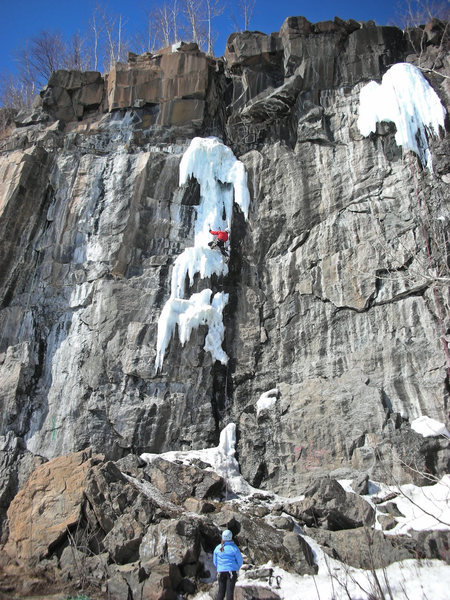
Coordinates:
x,y
222,237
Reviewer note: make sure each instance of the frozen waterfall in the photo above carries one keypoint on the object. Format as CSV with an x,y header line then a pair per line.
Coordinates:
x,y
405,98
222,178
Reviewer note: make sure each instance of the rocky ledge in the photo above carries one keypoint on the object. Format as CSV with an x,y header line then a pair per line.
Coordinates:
x,y
141,529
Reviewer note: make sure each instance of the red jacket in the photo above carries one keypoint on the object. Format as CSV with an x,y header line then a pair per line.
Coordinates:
x,y
222,235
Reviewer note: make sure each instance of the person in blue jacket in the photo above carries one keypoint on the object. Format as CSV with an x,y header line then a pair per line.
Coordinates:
x,y
227,560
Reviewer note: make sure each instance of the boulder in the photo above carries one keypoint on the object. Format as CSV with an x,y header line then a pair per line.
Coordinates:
x,y
124,580
176,542
432,544
253,592
119,510
162,581
177,482
361,484
260,542
328,505
364,548
16,465
47,506
285,523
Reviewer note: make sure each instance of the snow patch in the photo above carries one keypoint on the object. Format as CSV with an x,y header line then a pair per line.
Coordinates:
x,y
267,400
428,427
424,508
405,98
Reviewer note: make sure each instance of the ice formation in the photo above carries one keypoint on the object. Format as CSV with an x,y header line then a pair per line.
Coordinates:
x,y
188,315
407,99
197,259
218,172
221,458
221,178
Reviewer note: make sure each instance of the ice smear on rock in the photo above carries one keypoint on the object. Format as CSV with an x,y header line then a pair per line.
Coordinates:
x,y
221,177
407,99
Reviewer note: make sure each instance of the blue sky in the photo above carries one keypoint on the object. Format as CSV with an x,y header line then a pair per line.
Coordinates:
x,y
22,19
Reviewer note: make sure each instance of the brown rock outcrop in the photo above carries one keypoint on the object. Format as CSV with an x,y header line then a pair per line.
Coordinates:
x,y
48,504
70,95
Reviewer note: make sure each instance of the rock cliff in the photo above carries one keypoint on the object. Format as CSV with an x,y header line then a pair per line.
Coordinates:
x,y
338,305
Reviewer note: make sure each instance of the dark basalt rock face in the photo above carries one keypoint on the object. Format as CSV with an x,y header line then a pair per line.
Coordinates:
x,y
332,302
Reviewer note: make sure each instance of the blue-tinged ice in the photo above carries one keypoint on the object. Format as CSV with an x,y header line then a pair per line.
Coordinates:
x,y
405,98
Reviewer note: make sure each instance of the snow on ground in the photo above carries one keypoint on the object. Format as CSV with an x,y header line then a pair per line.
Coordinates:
x,y
408,580
407,99
424,508
221,178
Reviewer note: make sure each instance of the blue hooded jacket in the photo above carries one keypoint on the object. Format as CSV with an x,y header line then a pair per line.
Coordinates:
x,y
228,560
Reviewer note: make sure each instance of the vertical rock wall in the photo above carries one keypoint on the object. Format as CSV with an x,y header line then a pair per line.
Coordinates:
x,y
337,308
330,302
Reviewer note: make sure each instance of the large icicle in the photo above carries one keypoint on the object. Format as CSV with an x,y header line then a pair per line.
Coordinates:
x,y
220,176
188,315
407,99
213,164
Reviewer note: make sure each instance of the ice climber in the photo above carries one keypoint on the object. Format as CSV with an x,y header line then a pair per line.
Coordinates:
x,y
228,560
221,239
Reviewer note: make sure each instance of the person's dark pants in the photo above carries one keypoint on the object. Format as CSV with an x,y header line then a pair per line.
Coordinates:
x,y
227,581
221,246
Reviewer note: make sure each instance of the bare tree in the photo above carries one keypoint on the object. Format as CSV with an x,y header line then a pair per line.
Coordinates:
x,y
77,57
14,95
245,14
115,40
163,21
213,8
194,13
412,19
40,57
108,39
418,12
95,27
